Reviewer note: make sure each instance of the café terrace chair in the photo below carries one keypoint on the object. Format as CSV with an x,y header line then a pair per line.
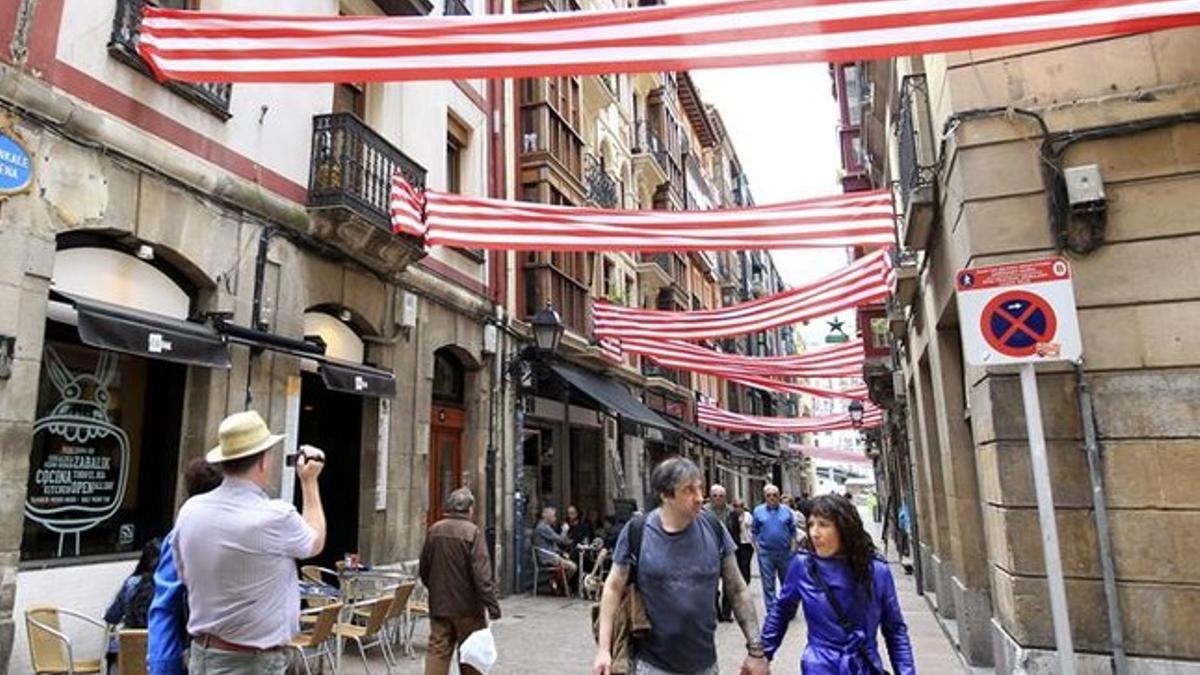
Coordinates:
x,y
318,639
552,573
370,635
131,651
50,650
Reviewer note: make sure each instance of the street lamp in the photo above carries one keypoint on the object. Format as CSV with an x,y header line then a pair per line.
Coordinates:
x,y
548,330
856,413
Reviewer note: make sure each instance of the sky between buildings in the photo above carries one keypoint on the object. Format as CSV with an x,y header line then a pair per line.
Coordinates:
x,y
783,121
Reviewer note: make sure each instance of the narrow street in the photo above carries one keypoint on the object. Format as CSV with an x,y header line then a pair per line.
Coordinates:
x,y
553,635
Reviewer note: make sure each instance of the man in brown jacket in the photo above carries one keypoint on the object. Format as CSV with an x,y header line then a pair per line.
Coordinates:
x,y
456,569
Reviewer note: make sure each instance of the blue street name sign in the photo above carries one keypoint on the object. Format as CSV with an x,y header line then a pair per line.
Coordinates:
x,y
16,168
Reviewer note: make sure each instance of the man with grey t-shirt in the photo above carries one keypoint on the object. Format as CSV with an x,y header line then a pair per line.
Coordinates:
x,y
682,555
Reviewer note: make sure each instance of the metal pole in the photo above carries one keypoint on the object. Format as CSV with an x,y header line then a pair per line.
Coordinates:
x,y
518,484
1092,449
1045,503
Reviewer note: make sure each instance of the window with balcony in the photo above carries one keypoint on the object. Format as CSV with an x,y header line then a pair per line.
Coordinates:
x,y
560,278
122,45
350,98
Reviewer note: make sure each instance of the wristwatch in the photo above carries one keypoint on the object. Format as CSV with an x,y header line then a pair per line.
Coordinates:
x,y
754,647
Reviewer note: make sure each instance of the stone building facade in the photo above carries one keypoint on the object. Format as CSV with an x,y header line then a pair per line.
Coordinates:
x,y
963,136
243,230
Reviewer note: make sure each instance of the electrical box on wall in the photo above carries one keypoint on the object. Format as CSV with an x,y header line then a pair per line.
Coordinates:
x,y
491,338
1084,184
407,316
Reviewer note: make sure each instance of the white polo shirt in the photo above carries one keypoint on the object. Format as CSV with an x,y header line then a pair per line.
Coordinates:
x,y
236,551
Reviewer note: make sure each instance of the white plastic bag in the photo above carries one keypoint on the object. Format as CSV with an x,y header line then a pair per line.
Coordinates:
x,y
479,650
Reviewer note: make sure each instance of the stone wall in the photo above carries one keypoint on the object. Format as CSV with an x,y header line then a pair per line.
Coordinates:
x,y
1139,320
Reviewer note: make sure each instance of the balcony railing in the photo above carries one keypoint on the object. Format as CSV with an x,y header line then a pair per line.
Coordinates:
x,y
456,8
546,283
917,168
352,167
122,44
602,188
652,369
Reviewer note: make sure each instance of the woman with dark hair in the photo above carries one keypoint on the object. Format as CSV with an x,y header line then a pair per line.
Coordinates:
x,y
848,596
132,604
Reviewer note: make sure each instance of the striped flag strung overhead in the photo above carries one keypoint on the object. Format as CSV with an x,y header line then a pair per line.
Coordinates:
x,y
219,47
865,281
719,418
844,360
445,219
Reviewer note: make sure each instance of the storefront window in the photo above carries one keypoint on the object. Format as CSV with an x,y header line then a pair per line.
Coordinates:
x,y
104,453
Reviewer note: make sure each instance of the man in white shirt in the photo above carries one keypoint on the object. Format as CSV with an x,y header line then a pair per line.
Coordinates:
x,y
236,550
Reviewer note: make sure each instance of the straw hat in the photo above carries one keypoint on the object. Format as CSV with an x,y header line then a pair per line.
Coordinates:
x,y
242,434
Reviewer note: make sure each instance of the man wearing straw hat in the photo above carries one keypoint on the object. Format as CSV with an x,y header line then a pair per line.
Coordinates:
x,y
236,550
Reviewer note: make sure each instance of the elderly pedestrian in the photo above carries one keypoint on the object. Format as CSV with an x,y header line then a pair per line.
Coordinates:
x,y
167,636
236,551
719,507
675,555
774,529
457,570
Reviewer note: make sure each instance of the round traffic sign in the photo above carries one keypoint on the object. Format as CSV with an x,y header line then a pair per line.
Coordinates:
x,y
1016,322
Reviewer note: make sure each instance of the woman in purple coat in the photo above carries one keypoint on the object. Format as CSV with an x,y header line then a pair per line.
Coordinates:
x,y
848,596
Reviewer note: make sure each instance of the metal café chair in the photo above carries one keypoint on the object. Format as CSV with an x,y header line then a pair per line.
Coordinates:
x,y
50,650
317,640
370,635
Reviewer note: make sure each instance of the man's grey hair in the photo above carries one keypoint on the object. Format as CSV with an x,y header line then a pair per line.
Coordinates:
x,y
671,473
769,489
460,501
716,488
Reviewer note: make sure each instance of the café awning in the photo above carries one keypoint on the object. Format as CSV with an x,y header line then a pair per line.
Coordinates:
x,y
611,396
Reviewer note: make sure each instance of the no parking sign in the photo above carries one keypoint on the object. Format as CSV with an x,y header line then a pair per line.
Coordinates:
x,y
1018,313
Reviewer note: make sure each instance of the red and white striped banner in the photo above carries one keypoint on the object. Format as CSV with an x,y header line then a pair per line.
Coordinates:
x,y
859,219
719,418
835,455
219,47
445,219
844,360
867,280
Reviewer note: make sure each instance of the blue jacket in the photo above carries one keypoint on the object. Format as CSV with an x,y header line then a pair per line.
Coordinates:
x,y
773,529
167,630
830,650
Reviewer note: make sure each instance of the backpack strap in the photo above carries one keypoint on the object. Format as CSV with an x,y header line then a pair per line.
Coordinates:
x,y
636,525
715,526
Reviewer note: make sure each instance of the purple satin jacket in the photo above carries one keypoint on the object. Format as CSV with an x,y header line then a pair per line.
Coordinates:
x,y
830,650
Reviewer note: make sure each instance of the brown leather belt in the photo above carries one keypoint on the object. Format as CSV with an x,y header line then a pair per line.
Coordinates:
x,y
212,641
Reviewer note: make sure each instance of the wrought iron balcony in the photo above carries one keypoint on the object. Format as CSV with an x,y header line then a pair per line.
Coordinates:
x,y
349,190
456,8
917,159
652,369
602,189
122,44
647,141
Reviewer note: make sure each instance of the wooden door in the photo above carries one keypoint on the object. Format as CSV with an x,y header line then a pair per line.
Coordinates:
x,y
445,458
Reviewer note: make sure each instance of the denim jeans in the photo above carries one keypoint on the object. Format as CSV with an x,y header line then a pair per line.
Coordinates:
x,y
772,565
213,661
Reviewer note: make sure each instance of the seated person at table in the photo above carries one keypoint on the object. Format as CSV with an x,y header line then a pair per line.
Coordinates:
x,y
132,604
547,542
579,529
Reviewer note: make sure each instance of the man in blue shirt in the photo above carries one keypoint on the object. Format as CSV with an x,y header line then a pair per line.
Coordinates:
x,y
774,530
167,622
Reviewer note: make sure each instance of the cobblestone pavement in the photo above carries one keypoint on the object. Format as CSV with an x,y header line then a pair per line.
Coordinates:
x,y
553,635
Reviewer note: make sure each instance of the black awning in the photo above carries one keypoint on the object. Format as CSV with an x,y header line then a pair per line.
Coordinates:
x,y
714,441
355,379
154,336
612,396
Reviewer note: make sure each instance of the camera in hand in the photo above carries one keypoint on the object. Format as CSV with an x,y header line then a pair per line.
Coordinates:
x,y
309,453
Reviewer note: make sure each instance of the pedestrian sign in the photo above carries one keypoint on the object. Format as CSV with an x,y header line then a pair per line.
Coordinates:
x,y
1018,313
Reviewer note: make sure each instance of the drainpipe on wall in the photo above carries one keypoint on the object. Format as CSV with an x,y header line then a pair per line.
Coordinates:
x,y
260,273
1091,447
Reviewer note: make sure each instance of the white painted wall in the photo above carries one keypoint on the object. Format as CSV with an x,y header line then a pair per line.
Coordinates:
x,y
84,588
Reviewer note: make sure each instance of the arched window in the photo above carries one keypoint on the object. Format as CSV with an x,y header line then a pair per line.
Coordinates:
x,y
449,378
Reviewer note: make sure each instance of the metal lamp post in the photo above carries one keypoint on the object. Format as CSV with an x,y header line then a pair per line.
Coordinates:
x,y
548,331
